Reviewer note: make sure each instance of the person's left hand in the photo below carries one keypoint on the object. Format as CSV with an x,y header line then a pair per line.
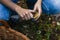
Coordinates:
x,y
37,8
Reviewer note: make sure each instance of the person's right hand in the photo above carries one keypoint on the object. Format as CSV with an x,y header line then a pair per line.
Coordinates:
x,y
25,14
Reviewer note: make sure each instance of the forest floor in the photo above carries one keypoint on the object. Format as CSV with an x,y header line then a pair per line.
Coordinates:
x,y
45,28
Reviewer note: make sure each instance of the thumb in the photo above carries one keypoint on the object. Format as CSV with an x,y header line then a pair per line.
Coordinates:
x,y
40,11
35,8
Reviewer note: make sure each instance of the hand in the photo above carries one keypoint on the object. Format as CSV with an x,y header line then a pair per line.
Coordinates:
x,y
25,14
37,7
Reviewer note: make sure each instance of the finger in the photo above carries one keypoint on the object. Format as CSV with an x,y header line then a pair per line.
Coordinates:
x,y
26,16
22,16
31,15
31,11
39,12
35,8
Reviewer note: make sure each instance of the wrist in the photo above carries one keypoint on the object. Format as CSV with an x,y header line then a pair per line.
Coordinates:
x,y
17,7
40,1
